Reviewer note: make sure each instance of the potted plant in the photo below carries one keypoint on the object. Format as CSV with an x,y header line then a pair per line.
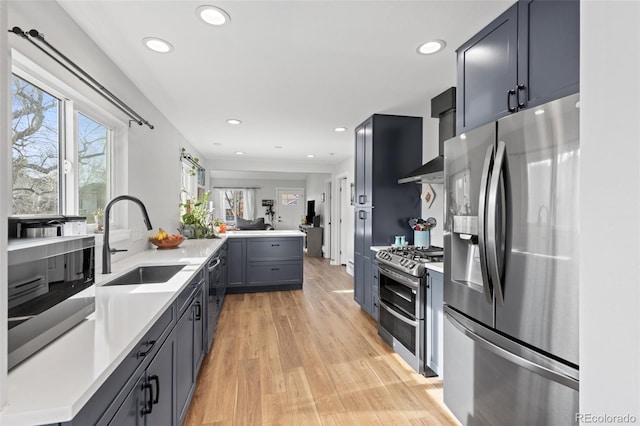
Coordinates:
x,y
195,217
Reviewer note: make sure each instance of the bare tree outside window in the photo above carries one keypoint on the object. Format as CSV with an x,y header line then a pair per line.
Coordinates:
x,y
36,149
93,165
233,205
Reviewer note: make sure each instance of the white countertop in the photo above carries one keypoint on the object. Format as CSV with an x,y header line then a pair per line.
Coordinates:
x,y
55,383
272,233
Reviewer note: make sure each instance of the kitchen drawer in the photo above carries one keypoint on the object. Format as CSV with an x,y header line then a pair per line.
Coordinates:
x,y
261,273
112,393
261,249
184,298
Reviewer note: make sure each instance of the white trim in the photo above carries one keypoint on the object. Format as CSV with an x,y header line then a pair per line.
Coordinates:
x,y
5,188
336,230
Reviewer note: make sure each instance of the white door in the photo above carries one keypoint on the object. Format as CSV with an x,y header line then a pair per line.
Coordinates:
x,y
290,207
328,220
344,217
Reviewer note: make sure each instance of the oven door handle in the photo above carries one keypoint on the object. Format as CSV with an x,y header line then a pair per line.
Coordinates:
x,y
397,277
397,315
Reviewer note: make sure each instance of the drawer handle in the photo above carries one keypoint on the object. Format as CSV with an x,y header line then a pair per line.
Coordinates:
x,y
510,93
275,269
275,245
150,344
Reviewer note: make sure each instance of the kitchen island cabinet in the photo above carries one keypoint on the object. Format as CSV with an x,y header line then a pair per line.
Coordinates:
x,y
265,261
535,58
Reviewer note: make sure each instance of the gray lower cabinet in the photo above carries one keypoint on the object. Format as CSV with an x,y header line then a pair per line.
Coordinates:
x,y
434,328
151,402
236,255
265,264
375,286
190,349
154,384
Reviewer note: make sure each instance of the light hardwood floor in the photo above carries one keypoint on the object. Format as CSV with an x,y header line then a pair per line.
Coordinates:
x,y
309,357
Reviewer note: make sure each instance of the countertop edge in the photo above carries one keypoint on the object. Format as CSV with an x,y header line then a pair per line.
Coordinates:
x,y
17,414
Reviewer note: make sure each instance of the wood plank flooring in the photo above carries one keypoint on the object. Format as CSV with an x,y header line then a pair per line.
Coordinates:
x,y
309,357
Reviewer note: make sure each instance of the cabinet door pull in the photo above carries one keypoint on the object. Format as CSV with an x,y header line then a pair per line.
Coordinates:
x,y
275,245
147,408
197,311
149,345
154,378
275,269
521,89
510,93
362,214
362,199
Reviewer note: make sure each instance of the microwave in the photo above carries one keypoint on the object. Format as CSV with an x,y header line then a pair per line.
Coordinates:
x,y
44,279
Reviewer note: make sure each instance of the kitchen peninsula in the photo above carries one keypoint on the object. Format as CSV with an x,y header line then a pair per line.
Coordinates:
x,y
96,370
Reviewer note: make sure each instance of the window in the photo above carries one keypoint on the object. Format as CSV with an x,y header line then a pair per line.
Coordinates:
x,y
93,166
61,159
233,204
287,199
36,149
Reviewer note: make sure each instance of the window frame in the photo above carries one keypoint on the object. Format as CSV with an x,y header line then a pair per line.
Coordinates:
x,y
72,103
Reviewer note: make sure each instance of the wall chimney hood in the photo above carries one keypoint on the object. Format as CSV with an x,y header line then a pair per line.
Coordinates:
x,y
443,107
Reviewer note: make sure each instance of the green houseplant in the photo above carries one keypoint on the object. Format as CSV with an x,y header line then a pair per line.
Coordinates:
x,y
195,217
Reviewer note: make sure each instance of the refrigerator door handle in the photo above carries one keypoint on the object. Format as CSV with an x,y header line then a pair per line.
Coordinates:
x,y
511,357
495,270
482,207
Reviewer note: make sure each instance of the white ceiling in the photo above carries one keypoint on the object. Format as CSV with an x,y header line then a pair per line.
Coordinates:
x,y
292,71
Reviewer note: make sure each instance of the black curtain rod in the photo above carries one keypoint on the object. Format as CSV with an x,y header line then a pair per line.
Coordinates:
x,y
83,76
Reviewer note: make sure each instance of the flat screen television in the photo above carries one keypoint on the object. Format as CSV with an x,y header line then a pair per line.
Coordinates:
x,y
311,211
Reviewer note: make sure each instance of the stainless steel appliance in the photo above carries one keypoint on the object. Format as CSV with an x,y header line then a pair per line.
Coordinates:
x,y
402,294
217,283
511,269
45,276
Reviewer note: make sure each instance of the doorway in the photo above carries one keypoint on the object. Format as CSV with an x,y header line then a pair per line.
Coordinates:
x,y
343,229
290,207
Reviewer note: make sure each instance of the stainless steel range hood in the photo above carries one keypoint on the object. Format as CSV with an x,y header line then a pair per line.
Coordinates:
x,y
443,107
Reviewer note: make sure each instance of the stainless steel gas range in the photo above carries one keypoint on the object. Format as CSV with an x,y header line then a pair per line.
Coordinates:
x,y
402,293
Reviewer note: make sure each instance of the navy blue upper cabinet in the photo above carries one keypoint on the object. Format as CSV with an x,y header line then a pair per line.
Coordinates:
x,y
549,34
527,56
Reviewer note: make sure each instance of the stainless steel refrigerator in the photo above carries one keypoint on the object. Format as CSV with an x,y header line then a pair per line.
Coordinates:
x,y
511,269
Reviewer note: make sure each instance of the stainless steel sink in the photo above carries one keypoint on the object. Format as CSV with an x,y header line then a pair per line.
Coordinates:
x,y
155,274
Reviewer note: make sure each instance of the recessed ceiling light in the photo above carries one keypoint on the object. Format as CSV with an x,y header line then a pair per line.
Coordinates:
x,y
310,155
278,147
430,47
233,121
463,136
539,112
213,15
217,144
157,44
239,153
340,129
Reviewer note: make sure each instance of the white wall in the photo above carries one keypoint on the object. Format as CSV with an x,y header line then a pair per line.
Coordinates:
x,y
610,209
152,170
266,191
5,188
343,169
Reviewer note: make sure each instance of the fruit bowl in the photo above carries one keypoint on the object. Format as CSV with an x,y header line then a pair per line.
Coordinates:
x,y
171,242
